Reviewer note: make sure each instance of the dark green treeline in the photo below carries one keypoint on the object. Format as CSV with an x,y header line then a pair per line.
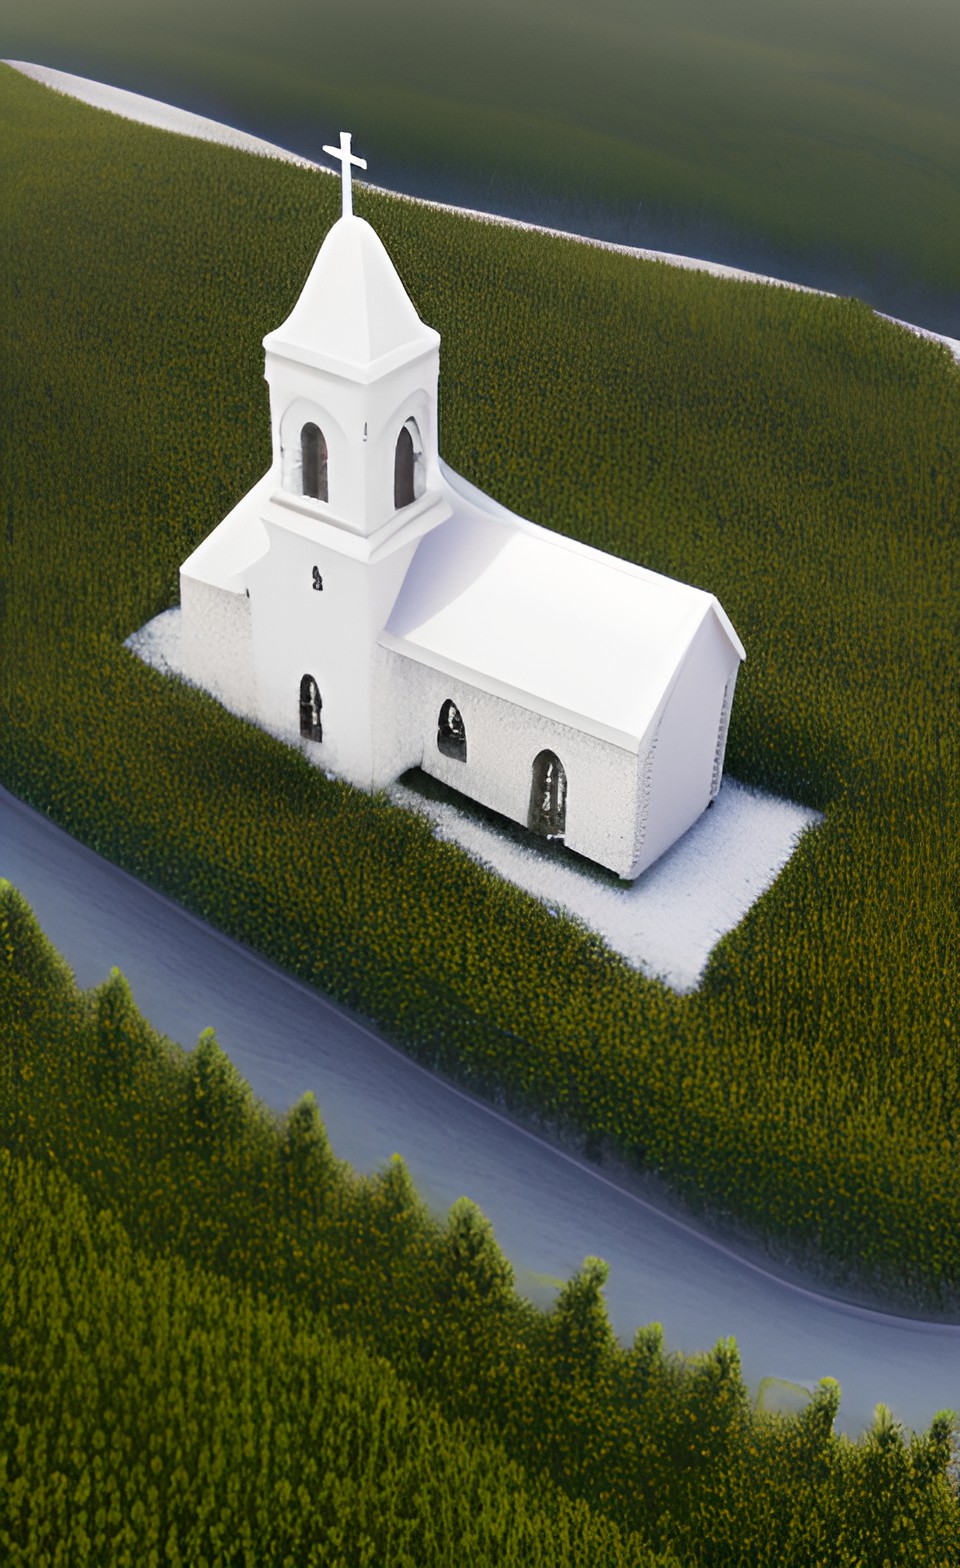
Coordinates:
x,y
219,1346
793,454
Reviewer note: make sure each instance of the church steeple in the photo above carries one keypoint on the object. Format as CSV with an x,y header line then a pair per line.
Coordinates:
x,y
354,361
354,317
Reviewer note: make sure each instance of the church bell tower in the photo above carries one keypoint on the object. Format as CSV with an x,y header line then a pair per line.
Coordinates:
x,y
353,486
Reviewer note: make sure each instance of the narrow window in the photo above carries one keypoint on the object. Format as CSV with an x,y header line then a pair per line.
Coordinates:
x,y
310,705
721,741
313,462
409,480
403,466
548,796
451,735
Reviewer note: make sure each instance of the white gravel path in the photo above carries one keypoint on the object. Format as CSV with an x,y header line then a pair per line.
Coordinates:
x,y
668,921
150,111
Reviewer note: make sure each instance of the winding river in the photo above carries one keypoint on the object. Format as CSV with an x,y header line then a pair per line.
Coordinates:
x,y
549,1209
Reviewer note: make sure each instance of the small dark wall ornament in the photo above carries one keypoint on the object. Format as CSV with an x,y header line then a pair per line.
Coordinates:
x,y
548,796
317,580
451,734
310,705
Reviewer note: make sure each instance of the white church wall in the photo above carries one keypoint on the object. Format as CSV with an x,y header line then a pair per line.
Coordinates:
x,y
217,644
397,741
326,633
502,741
678,773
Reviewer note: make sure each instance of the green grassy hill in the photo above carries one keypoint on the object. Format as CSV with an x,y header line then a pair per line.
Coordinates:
x,y
817,135
792,453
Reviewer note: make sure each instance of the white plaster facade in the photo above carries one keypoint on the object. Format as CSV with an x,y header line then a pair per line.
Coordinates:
x,y
347,619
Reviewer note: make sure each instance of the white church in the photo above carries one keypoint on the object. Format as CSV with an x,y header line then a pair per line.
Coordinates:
x,y
369,605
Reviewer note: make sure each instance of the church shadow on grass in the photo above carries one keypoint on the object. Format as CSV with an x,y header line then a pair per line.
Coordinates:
x,y
432,792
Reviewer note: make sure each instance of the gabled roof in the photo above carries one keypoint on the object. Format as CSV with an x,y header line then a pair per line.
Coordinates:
x,y
353,312
544,621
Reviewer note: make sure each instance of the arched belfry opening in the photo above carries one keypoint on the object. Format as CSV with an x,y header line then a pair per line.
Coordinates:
x,y
451,734
548,796
310,704
408,477
313,462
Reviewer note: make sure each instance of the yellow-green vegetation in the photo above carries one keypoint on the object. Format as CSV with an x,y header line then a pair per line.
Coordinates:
x,y
218,1345
793,454
778,1393
160,1414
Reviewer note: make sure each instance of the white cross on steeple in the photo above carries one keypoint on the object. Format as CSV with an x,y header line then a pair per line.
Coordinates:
x,y
346,158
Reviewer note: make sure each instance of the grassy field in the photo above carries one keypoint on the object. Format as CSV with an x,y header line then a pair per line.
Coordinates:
x,y
812,134
222,1347
792,453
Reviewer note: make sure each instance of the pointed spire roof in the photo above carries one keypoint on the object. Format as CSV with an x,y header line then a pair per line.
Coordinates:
x,y
354,314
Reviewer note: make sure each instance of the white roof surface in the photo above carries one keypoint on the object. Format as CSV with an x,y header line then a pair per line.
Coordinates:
x,y
545,621
225,555
353,310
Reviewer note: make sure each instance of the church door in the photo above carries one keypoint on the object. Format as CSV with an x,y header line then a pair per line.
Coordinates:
x,y
548,796
310,705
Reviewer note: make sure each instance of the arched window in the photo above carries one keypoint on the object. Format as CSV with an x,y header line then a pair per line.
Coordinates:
x,y
313,462
451,735
548,796
403,465
408,478
310,705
